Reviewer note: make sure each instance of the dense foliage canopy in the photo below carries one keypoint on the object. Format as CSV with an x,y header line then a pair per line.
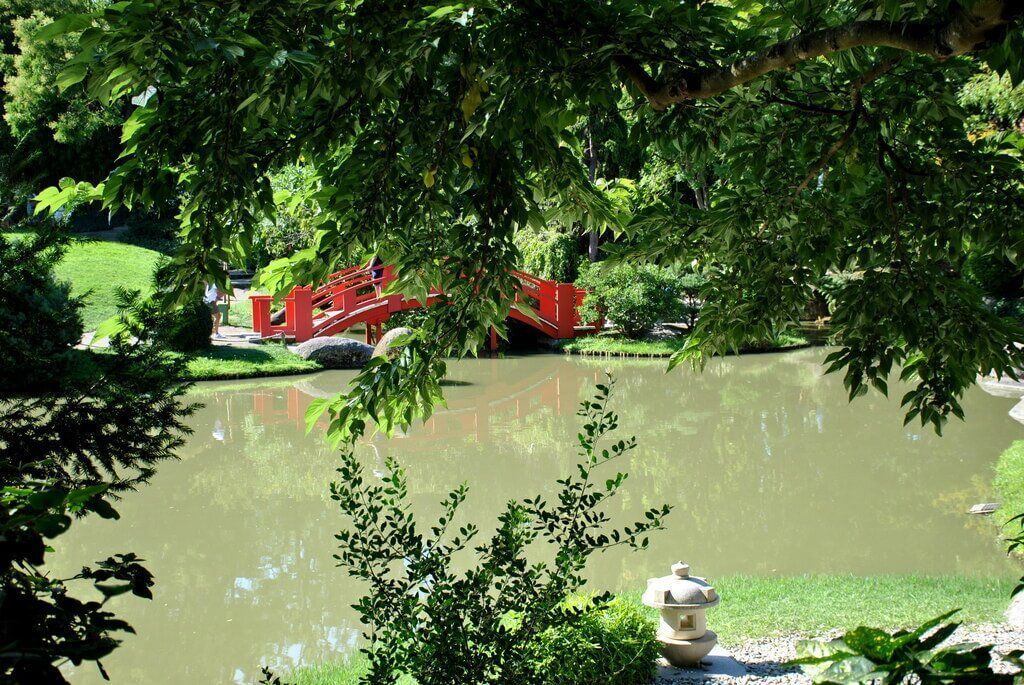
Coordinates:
x,y
780,141
45,133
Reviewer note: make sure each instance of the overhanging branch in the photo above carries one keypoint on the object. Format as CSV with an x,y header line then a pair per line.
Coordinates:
x,y
963,31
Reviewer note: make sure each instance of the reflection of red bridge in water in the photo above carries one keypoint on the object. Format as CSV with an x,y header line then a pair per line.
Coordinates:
x,y
520,398
350,297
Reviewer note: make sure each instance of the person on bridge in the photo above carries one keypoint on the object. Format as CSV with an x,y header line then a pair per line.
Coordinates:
x,y
377,273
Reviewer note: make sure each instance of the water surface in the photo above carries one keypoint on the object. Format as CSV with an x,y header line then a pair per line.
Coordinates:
x,y
769,468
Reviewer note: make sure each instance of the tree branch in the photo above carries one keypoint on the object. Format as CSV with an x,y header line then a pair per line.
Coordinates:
x,y
806,107
964,30
856,111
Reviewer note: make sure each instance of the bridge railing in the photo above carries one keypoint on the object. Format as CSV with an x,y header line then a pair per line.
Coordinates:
x,y
325,310
298,315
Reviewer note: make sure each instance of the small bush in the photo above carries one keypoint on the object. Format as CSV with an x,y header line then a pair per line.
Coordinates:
x,y
615,645
690,285
996,275
1010,308
153,232
441,624
549,254
634,298
410,318
183,329
294,223
1009,480
186,329
42,321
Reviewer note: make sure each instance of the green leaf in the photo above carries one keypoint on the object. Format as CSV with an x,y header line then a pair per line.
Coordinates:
x,y
248,101
69,23
71,75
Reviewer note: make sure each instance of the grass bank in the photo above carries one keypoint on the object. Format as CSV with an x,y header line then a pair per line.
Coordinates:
x,y
1009,481
346,672
222,362
760,606
96,269
616,344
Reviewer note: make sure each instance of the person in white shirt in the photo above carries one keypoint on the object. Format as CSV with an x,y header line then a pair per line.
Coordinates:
x,y
211,297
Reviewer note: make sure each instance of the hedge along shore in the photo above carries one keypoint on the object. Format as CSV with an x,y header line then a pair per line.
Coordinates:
x,y
606,345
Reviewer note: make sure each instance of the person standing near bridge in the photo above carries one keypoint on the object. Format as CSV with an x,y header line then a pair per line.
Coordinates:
x,y
211,298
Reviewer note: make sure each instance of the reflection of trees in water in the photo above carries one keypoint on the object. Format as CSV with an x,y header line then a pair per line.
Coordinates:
x,y
759,451
240,539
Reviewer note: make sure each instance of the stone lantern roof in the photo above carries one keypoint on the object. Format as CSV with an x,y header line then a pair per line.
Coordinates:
x,y
680,590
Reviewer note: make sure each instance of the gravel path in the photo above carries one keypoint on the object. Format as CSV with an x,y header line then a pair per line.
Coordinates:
x,y
766,659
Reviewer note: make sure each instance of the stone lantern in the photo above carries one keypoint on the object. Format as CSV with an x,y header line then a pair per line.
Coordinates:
x,y
682,600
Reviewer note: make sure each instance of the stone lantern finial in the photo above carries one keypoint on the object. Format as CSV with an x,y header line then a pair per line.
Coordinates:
x,y
680,569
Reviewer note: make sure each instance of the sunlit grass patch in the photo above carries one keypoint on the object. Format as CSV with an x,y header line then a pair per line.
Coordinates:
x,y
224,362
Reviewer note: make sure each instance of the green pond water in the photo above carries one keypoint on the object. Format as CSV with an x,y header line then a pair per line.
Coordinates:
x,y
770,469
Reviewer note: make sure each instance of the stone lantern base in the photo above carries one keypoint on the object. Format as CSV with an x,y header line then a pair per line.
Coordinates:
x,y
687,653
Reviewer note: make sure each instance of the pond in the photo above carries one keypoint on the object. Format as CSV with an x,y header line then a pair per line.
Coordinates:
x,y
769,468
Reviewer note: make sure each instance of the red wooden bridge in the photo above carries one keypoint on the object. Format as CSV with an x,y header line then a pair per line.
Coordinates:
x,y
352,296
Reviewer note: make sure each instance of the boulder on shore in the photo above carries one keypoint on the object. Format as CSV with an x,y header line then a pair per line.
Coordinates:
x,y
336,353
386,346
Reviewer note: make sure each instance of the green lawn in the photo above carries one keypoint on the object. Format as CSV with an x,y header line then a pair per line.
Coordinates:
x,y
240,314
346,672
761,606
222,363
615,344
1009,481
97,268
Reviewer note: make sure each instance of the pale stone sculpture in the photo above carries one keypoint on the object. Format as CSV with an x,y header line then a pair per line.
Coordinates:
x,y
682,600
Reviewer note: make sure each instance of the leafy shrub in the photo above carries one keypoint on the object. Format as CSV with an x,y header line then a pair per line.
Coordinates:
x,y
187,328
615,645
549,254
994,98
996,275
1009,307
775,342
832,284
634,298
410,318
41,320
294,223
872,655
440,626
153,231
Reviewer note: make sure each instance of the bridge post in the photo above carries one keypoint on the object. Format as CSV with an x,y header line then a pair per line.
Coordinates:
x,y
302,323
565,315
261,314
